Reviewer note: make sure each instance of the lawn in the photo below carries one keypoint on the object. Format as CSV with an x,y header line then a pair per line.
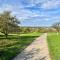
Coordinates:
x,y
54,45
12,46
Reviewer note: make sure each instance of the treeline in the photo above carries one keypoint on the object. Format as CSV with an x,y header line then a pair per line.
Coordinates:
x,y
54,28
36,29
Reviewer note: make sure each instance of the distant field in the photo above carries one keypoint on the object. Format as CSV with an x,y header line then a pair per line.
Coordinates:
x,y
15,44
54,45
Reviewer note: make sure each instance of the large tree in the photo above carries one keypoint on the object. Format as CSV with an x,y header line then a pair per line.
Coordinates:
x,y
8,23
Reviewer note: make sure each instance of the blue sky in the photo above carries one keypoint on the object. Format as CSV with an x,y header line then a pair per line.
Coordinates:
x,y
33,12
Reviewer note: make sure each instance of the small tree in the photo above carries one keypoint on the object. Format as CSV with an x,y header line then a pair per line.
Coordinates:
x,y
8,23
57,27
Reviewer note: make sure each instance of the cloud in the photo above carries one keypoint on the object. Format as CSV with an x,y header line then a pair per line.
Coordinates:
x,y
45,4
17,10
53,4
34,12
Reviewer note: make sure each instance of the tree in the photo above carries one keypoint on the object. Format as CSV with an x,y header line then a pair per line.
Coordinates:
x,y
57,26
8,23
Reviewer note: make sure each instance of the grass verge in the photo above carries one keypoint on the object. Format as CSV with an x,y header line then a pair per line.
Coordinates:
x,y
54,45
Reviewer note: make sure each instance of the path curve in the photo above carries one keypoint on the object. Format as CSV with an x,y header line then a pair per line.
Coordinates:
x,y
38,50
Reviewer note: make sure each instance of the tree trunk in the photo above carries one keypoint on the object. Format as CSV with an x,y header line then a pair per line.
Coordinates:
x,y
6,36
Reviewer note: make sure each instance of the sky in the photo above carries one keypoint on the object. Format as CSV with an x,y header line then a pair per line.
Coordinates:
x,y
33,12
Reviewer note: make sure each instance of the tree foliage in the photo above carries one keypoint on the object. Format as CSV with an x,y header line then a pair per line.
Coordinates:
x,y
57,26
8,23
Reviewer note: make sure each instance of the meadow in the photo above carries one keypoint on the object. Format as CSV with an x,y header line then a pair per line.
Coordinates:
x,y
54,45
14,44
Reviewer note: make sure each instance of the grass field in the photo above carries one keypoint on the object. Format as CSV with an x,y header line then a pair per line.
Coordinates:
x,y
54,45
10,47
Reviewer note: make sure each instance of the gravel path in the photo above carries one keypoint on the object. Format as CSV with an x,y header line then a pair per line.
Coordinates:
x,y
38,50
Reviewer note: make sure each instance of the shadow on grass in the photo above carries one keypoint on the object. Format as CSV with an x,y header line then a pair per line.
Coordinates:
x,y
8,52
9,37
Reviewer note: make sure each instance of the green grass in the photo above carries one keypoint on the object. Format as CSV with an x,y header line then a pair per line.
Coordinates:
x,y
31,34
10,47
54,45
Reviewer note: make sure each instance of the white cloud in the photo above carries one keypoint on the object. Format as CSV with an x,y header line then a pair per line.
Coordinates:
x,y
19,11
45,4
5,7
34,2
51,4
26,14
